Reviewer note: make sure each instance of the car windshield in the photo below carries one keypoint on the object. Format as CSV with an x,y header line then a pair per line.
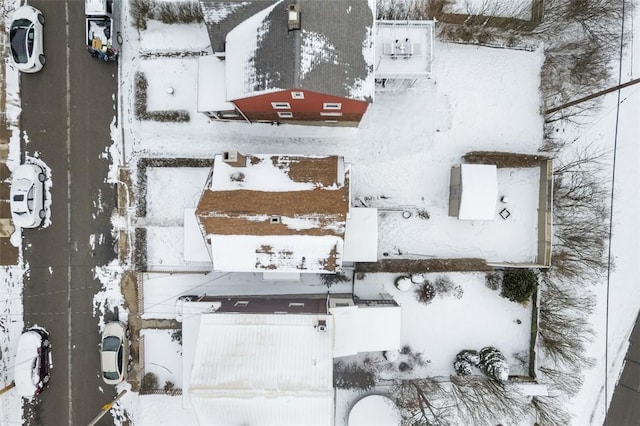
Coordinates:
x,y
110,375
110,344
21,36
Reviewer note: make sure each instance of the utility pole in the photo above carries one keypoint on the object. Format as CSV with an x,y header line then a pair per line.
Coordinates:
x,y
592,96
106,407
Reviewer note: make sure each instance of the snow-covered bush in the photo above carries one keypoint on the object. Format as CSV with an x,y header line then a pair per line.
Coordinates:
x,y
426,293
518,285
493,363
418,278
465,361
403,283
445,287
149,383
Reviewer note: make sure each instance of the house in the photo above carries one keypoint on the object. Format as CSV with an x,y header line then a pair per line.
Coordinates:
x,y
302,61
269,360
275,213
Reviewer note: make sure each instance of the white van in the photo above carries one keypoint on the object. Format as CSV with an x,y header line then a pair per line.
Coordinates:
x,y
33,362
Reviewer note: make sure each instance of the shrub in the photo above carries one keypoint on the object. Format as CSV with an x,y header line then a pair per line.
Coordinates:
x,y
169,386
139,12
469,355
149,383
403,282
462,367
426,292
493,363
492,280
331,279
518,285
353,376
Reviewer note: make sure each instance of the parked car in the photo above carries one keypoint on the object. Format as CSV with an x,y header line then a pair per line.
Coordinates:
x,y
114,352
25,36
27,196
32,363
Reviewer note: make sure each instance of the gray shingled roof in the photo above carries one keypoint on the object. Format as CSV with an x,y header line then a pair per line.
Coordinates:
x,y
221,17
325,55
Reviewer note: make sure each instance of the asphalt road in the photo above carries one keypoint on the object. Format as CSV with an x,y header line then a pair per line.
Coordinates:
x,y
66,112
624,409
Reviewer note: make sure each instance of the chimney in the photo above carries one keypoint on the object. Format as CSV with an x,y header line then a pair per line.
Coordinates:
x,y
234,159
293,17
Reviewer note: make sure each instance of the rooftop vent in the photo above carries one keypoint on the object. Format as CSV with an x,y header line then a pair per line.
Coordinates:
x,y
234,159
293,17
275,219
322,325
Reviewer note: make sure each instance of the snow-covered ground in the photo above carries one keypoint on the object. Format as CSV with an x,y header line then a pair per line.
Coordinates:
x,y
477,99
520,9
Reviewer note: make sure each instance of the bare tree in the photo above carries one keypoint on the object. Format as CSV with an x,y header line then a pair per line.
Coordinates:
x,y
550,410
478,399
423,402
563,328
562,381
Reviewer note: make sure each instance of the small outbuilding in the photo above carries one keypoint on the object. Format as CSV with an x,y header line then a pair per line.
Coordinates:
x,y
473,191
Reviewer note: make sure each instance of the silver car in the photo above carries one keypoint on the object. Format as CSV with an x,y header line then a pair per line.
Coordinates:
x,y
27,196
114,352
25,38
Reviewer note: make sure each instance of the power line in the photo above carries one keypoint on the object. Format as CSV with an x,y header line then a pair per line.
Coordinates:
x,y
613,181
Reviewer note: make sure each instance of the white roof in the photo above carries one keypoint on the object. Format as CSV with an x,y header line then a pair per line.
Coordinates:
x,y
95,7
361,236
243,253
366,329
479,187
195,249
261,369
212,93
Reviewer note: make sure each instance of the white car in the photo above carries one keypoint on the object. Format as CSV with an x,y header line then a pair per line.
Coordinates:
x,y
32,363
114,353
25,37
27,196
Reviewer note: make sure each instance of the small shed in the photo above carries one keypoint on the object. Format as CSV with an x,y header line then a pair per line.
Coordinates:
x,y
473,191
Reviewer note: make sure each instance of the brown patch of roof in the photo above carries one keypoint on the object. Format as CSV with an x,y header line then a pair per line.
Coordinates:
x,y
322,171
231,212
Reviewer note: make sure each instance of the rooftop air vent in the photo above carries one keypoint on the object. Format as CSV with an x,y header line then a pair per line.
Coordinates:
x,y
293,17
234,159
275,219
322,325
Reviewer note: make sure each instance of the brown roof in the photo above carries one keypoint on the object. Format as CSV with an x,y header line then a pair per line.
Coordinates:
x,y
247,212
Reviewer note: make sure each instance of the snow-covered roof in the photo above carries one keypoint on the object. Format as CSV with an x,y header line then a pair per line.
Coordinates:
x,y
360,328
331,53
361,236
262,370
479,192
403,49
284,213
212,94
95,7
195,249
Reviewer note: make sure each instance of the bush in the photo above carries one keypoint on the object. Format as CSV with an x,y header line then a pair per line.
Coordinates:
x,y
426,293
353,376
331,279
494,364
492,280
465,361
149,383
402,283
462,367
518,285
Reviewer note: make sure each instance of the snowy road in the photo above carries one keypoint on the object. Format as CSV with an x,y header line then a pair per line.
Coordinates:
x,y
66,112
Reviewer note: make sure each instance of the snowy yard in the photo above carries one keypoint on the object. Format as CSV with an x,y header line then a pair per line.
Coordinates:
x,y
476,99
